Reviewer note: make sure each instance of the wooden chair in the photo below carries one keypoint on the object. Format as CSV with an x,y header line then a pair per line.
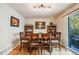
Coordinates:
x,y
45,43
55,40
34,42
23,39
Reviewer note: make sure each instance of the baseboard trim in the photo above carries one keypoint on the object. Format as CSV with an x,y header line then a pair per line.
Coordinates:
x,y
7,50
13,49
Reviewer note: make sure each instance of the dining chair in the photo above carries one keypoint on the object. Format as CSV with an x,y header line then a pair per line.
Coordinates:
x,y
34,42
45,43
23,40
55,40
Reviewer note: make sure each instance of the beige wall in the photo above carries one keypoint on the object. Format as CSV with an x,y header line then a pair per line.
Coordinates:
x,y
62,24
46,20
7,33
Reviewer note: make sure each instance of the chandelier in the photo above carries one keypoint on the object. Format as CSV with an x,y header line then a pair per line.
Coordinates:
x,y
41,7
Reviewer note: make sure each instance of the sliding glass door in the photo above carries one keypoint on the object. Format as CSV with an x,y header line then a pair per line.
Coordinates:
x,y
73,32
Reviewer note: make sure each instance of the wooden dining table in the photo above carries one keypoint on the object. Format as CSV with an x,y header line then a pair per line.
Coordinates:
x,y
41,40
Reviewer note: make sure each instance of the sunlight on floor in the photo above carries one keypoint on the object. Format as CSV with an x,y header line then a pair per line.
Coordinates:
x,y
56,51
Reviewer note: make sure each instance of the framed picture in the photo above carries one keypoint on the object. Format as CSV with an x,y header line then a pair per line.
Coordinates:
x,y
14,22
39,25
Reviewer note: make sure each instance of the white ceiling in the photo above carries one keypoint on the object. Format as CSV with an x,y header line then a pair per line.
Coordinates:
x,y
26,9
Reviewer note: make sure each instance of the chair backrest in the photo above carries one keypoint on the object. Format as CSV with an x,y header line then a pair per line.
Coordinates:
x,y
45,36
51,36
22,35
58,35
34,36
28,35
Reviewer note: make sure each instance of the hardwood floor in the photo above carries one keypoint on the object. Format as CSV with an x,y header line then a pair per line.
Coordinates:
x,y
24,51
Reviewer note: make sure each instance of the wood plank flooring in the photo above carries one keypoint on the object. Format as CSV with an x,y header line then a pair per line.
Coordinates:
x,y
24,51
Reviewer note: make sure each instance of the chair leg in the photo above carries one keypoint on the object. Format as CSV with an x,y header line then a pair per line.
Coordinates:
x,y
30,50
41,49
38,50
59,46
50,49
20,47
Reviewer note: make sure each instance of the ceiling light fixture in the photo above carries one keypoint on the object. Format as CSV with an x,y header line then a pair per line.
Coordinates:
x,y
41,6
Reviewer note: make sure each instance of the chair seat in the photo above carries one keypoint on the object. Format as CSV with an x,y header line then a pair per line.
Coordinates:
x,y
34,43
34,37
45,37
24,40
27,37
54,41
45,41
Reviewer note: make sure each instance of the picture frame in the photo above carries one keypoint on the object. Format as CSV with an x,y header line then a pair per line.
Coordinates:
x,y
14,22
40,25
